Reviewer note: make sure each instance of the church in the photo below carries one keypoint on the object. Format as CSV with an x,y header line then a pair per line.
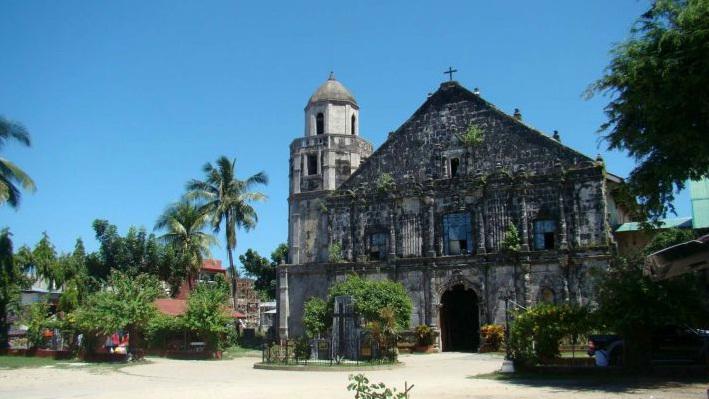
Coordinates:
x,y
432,207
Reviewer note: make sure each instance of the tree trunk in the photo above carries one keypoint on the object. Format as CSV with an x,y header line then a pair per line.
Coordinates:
x,y
4,327
232,270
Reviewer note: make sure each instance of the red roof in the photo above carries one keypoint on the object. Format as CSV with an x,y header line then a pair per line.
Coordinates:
x,y
172,307
214,265
178,307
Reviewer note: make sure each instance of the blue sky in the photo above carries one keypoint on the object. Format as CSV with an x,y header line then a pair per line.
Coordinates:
x,y
127,100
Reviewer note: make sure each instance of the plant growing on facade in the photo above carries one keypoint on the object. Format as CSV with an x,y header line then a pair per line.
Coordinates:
x,y
472,136
335,253
511,242
385,183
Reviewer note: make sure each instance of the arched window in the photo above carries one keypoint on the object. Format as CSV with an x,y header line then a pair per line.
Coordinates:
x,y
320,124
354,122
546,295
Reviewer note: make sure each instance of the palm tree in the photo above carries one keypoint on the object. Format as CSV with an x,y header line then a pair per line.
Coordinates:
x,y
10,174
183,224
227,199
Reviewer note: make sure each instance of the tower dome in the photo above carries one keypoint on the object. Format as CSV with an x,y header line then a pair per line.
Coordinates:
x,y
332,91
332,109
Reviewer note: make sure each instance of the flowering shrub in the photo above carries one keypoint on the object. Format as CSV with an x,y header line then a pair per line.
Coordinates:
x,y
493,336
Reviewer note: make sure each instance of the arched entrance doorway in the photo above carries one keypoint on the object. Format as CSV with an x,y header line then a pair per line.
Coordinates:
x,y
459,318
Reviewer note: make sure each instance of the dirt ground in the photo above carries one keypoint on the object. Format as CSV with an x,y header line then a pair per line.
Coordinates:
x,y
439,376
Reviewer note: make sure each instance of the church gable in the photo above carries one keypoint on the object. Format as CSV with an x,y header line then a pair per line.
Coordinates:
x,y
455,132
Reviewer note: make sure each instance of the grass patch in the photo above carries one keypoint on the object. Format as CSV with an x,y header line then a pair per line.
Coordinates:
x,y
240,351
25,362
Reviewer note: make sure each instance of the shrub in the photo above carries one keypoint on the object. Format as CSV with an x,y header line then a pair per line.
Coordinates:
x,y
535,335
493,336
424,335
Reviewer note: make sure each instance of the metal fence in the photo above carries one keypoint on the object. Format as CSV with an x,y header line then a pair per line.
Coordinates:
x,y
323,352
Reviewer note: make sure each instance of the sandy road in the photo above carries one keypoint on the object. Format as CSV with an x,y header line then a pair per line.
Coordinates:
x,y
435,376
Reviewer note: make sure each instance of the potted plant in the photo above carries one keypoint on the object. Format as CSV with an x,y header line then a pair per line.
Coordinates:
x,y
424,339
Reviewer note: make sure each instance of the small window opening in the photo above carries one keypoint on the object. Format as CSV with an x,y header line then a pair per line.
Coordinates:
x,y
354,122
312,165
455,163
547,295
457,234
320,123
377,246
544,234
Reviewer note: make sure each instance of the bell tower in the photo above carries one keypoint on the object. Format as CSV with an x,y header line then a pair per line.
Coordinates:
x,y
320,161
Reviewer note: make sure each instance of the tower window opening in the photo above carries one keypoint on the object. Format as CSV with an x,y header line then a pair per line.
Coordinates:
x,y
312,165
455,163
320,123
354,122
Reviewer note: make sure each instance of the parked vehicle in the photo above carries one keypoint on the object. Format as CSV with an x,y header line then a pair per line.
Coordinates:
x,y
680,345
671,345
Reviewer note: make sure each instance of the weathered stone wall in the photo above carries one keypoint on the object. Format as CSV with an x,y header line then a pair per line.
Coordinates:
x,y
565,273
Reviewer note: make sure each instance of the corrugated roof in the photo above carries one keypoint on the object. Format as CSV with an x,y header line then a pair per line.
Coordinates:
x,y
680,223
699,192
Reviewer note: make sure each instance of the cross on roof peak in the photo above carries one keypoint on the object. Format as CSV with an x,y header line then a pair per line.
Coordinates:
x,y
450,72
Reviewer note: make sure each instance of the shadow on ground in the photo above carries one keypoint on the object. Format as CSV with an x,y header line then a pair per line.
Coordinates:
x,y
610,383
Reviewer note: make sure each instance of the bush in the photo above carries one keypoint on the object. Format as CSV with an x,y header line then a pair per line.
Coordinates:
x,y
424,335
535,335
493,336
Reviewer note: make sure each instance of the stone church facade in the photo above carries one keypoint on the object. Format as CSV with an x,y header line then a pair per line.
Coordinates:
x,y
430,209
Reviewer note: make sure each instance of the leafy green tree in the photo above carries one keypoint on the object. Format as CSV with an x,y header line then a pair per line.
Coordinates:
x,y
315,317
10,174
668,238
371,296
208,314
659,112
44,259
263,271
183,224
633,306
228,202
126,303
135,253
12,279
